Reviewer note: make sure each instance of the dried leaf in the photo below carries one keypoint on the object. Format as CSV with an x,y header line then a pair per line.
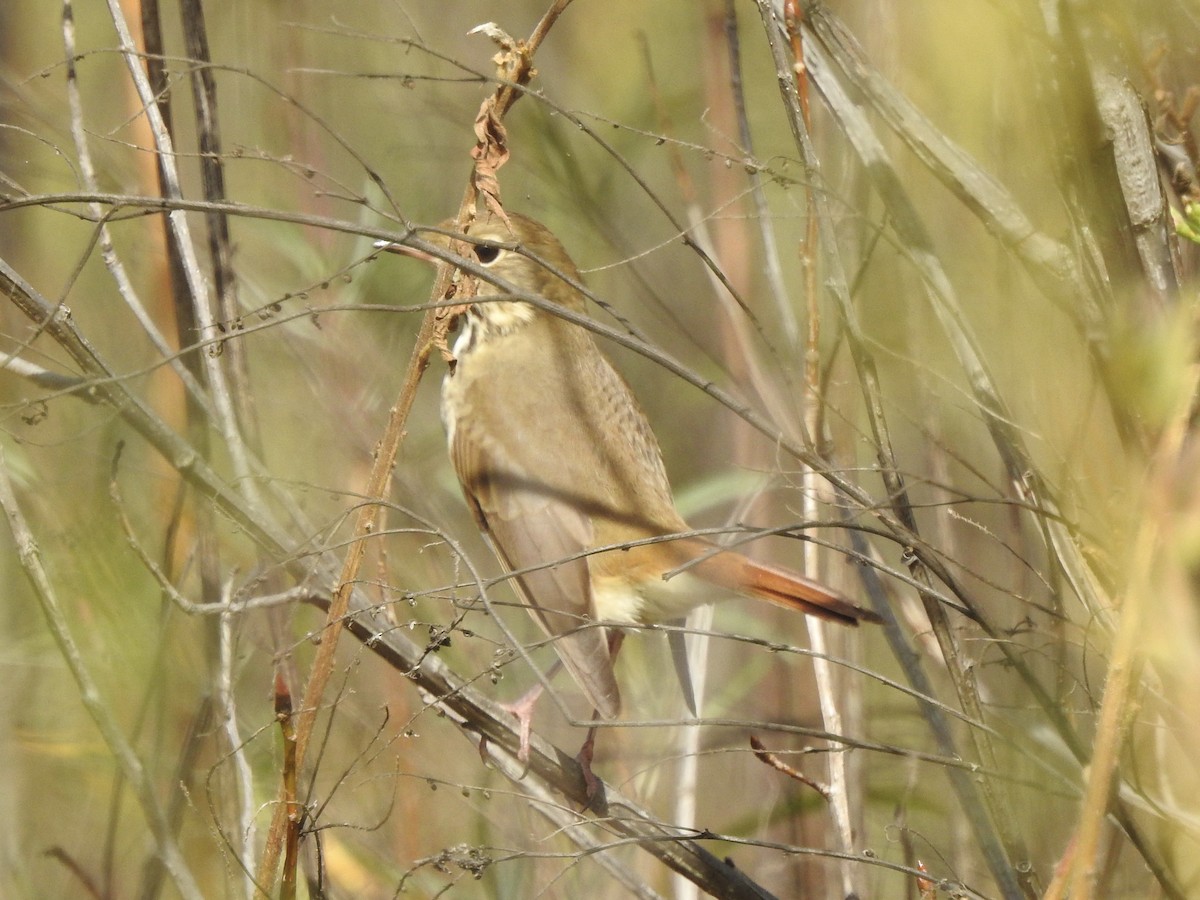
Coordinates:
x,y
490,153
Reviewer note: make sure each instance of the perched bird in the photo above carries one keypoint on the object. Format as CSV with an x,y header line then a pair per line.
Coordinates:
x,y
565,476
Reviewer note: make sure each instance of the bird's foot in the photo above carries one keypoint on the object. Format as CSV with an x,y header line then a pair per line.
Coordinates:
x,y
522,709
591,783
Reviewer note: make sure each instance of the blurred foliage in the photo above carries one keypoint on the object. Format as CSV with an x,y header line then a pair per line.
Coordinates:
x,y
362,113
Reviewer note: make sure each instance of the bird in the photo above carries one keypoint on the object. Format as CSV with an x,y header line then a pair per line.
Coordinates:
x,y
565,477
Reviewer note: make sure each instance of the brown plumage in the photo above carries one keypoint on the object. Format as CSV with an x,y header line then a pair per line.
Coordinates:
x,y
556,460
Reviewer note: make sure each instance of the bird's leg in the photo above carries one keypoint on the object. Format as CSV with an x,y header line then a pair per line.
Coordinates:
x,y
523,708
584,756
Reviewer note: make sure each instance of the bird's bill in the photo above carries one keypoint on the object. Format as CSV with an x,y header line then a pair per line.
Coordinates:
x,y
402,250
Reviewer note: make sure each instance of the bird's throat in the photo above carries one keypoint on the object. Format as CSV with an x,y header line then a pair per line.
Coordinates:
x,y
489,320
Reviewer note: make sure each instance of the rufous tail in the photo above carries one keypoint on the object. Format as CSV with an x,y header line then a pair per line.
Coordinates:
x,y
784,587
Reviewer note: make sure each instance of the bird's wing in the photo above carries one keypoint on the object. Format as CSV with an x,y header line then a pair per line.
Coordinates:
x,y
540,535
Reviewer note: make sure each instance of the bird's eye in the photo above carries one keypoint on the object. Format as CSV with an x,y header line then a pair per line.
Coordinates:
x,y
486,253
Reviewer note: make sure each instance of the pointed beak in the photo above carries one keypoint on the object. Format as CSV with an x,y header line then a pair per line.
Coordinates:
x,y
405,251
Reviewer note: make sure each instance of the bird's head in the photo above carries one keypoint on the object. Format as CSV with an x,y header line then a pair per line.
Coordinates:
x,y
528,256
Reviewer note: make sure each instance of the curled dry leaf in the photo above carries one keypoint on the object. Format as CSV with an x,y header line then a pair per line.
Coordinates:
x,y
514,65
490,153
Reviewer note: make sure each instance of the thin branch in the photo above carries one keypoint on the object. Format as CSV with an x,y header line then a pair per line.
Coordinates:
x,y
771,759
227,717
107,251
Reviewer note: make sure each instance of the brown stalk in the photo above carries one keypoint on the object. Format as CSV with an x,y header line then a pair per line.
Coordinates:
x,y
793,18
287,733
840,779
766,756
515,63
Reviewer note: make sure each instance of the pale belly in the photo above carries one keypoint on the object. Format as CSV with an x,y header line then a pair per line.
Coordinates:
x,y
654,601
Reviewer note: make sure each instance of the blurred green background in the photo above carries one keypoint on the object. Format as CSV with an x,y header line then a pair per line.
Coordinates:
x,y
363,113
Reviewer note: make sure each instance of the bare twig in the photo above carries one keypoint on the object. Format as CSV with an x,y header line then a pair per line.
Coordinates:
x,y
111,260
227,715
86,882
772,760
